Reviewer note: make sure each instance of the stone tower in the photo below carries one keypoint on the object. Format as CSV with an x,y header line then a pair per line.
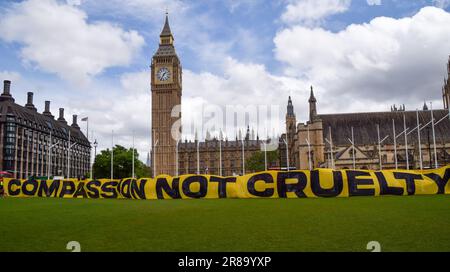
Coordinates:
x,y
291,129
166,86
312,106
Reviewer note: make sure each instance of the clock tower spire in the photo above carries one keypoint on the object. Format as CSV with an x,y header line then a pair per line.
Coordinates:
x,y
166,87
166,37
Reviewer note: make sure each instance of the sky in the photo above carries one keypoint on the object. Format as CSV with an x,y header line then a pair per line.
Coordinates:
x,y
92,58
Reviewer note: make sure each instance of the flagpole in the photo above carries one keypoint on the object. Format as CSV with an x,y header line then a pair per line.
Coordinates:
x,y
434,138
243,156
176,160
406,142
331,147
112,155
395,144
353,143
198,157
132,162
220,153
309,151
418,137
265,155
68,157
379,147
49,157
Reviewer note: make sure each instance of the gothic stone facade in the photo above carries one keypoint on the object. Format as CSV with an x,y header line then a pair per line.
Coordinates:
x,y
322,129
25,140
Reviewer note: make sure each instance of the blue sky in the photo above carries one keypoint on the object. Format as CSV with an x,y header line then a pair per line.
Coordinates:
x,y
92,57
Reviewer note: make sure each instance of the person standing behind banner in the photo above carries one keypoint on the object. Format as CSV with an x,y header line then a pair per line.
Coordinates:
x,y
2,191
3,175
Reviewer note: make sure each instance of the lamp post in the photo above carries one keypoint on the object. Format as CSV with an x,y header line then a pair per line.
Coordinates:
x,y
380,141
154,158
406,142
419,140
308,141
176,159
352,141
69,147
51,145
287,153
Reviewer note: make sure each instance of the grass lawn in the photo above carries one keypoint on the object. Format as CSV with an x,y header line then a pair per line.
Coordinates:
x,y
413,223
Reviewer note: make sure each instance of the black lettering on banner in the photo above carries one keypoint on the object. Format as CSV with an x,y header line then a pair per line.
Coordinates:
x,y
109,189
92,191
163,184
68,188
354,181
385,189
297,188
49,191
33,183
125,188
410,181
138,191
267,178
321,192
11,191
222,186
440,182
80,191
203,184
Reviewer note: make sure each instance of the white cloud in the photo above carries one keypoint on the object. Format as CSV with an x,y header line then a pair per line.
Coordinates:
x,y
239,82
374,2
8,75
441,3
312,12
58,39
381,62
73,2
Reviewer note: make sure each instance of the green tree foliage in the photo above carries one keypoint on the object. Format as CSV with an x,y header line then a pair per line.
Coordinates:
x,y
256,161
122,164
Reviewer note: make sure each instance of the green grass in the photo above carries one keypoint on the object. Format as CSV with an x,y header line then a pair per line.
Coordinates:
x,y
416,223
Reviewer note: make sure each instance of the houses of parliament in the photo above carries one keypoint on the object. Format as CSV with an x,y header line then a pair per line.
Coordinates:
x,y
327,134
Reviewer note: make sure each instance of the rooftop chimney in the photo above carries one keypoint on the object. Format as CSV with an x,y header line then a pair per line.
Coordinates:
x,y
6,95
29,104
47,110
61,116
74,122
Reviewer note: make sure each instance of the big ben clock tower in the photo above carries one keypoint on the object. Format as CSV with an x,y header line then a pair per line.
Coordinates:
x,y
166,82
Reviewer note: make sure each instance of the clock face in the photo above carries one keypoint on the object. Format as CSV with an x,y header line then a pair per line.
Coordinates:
x,y
163,74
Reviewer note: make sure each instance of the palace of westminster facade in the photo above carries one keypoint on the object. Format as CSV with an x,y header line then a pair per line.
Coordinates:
x,y
320,130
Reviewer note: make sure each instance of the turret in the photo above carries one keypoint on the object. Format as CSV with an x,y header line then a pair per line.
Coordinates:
x,y
312,106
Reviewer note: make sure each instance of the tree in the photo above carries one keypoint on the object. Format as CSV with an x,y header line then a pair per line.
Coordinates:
x,y
256,161
122,164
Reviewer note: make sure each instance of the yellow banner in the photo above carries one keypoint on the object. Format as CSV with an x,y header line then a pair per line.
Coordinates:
x,y
270,184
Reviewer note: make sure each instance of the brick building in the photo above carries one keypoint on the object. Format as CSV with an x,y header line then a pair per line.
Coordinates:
x,y
27,135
